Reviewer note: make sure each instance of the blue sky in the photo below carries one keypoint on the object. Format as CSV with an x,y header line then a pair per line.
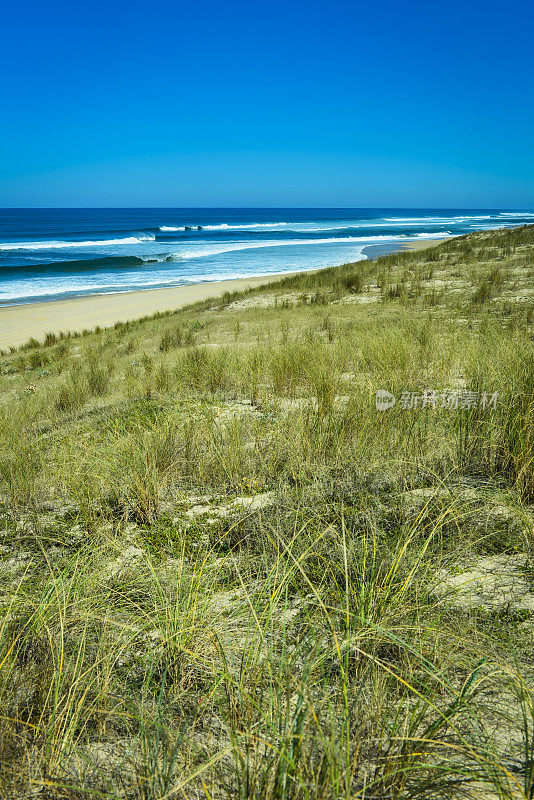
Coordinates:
x,y
267,104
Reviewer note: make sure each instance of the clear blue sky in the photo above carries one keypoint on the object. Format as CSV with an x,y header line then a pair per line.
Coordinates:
x,y
267,104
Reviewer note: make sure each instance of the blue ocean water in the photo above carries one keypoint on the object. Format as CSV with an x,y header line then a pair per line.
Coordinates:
x,y
48,254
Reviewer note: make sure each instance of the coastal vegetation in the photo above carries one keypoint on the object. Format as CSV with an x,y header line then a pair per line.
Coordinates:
x,y
225,573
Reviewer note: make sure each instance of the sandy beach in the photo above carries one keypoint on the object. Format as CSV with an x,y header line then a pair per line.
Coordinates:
x,y
422,244
20,322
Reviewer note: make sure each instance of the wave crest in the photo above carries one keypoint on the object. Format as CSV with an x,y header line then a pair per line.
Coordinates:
x,y
224,226
516,214
60,245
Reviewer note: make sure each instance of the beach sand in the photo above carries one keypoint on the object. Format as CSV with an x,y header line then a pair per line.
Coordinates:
x,y
374,251
422,244
20,322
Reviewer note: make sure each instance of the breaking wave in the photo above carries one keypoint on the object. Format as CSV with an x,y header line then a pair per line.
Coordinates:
x,y
224,227
516,214
53,245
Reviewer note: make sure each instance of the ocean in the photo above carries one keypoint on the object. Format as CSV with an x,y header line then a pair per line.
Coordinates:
x,y
49,254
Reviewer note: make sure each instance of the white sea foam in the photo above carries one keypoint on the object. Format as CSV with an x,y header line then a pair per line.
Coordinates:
x,y
53,245
225,227
311,227
344,224
516,214
432,220
219,249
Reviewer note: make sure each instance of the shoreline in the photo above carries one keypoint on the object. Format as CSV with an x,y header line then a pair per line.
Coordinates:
x,y
422,244
373,251
22,321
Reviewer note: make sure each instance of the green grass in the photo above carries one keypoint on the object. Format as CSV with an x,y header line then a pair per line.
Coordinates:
x,y
221,565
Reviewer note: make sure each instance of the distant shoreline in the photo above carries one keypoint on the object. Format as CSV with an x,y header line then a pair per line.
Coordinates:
x,y
20,322
422,244
373,251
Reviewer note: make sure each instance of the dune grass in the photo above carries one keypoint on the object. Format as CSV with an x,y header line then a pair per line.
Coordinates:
x,y
226,574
